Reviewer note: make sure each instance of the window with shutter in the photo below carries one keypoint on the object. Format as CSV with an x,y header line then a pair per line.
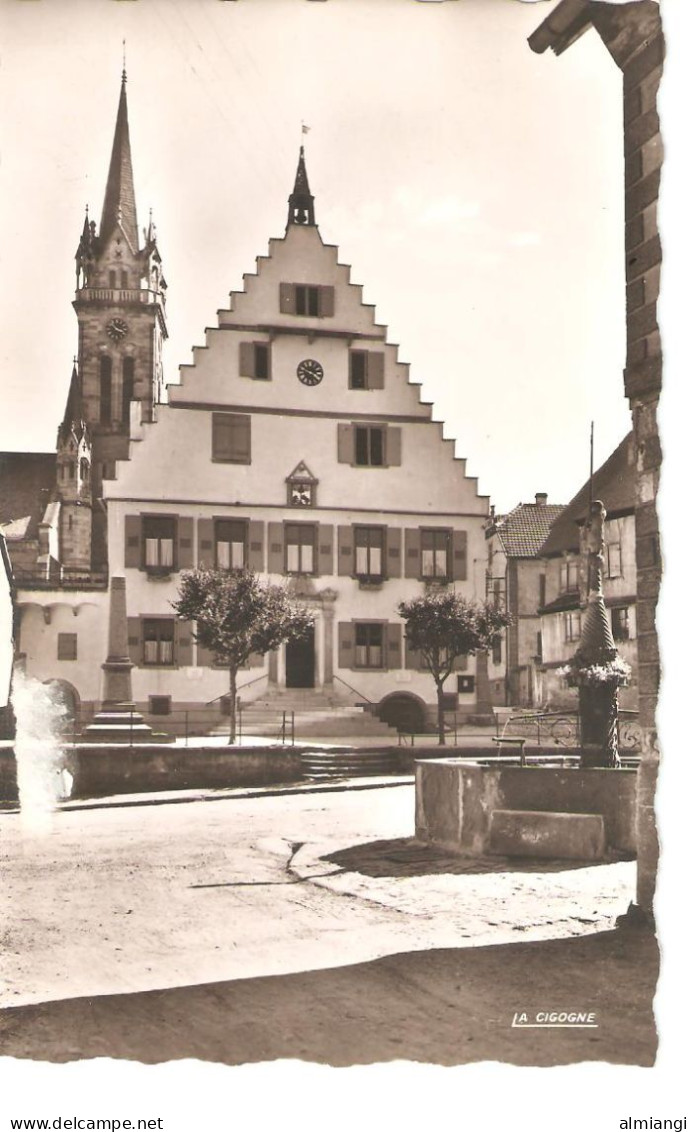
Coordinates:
x,y
435,554
255,360
369,553
345,652
358,369
230,549
159,541
133,628
307,301
345,444
231,438
301,548
369,446
369,644
158,642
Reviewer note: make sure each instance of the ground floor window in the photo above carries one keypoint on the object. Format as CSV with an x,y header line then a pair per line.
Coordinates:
x,y
369,645
158,641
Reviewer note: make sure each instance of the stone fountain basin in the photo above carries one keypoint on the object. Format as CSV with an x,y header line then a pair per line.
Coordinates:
x,y
456,799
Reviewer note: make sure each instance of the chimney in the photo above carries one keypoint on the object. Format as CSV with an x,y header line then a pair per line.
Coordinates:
x,y
541,498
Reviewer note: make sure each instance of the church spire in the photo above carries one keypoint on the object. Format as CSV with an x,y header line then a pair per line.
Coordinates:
x,y
120,198
301,203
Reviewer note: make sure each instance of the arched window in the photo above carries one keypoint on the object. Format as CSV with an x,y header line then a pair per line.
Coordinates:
x,y
84,468
105,389
127,373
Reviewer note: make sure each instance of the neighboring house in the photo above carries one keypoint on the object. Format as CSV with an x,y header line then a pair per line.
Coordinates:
x,y
294,444
632,34
516,582
564,557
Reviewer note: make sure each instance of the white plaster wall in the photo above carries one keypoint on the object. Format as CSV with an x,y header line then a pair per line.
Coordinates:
x,y
81,613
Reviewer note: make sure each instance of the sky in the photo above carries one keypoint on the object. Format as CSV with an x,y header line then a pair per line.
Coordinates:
x,y
474,188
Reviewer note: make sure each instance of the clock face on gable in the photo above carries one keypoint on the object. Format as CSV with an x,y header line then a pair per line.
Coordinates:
x,y
310,372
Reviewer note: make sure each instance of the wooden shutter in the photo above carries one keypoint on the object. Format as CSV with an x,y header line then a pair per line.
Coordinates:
x,y
393,561
184,655
345,551
413,549
275,553
325,559
287,297
393,445
394,646
204,656
375,370
345,652
132,541
326,304
460,556
413,658
185,543
345,443
255,546
232,438
246,363
207,555
135,648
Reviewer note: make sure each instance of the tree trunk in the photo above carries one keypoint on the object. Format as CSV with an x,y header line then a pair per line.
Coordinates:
x,y
233,704
440,712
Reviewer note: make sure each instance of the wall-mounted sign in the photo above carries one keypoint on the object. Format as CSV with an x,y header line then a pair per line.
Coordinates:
x,y
466,684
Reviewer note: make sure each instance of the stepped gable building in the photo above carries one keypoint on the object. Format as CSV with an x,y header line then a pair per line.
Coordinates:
x,y
566,586
294,444
516,582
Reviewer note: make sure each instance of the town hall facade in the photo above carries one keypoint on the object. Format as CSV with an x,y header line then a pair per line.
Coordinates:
x,y
294,444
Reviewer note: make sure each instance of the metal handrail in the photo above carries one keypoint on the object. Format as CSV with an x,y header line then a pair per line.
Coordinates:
x,y
371,703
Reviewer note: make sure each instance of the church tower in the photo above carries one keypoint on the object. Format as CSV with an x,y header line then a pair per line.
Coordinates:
x,y
120,306
74,483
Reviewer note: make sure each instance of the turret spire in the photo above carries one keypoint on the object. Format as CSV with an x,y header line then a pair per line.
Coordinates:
x,y
301,203
120,198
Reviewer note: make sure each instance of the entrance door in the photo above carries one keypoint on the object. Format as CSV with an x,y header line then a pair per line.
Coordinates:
x,y
300,662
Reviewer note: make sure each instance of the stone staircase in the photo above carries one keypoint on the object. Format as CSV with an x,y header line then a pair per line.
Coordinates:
x,y
350,763
316,715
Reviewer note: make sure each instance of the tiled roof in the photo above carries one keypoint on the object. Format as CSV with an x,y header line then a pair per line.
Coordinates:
x,y
614,484
27,480
524,530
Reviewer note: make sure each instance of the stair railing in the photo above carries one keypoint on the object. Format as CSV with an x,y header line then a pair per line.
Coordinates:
x,y
355,691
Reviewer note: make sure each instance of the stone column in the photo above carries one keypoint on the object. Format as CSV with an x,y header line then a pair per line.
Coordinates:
x,y
483,692
118,665
329,598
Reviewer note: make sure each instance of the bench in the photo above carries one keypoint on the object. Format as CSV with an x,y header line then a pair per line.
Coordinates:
x,y
511,741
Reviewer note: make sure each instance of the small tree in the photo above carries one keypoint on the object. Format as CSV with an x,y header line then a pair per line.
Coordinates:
x,y
445,626
236,614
